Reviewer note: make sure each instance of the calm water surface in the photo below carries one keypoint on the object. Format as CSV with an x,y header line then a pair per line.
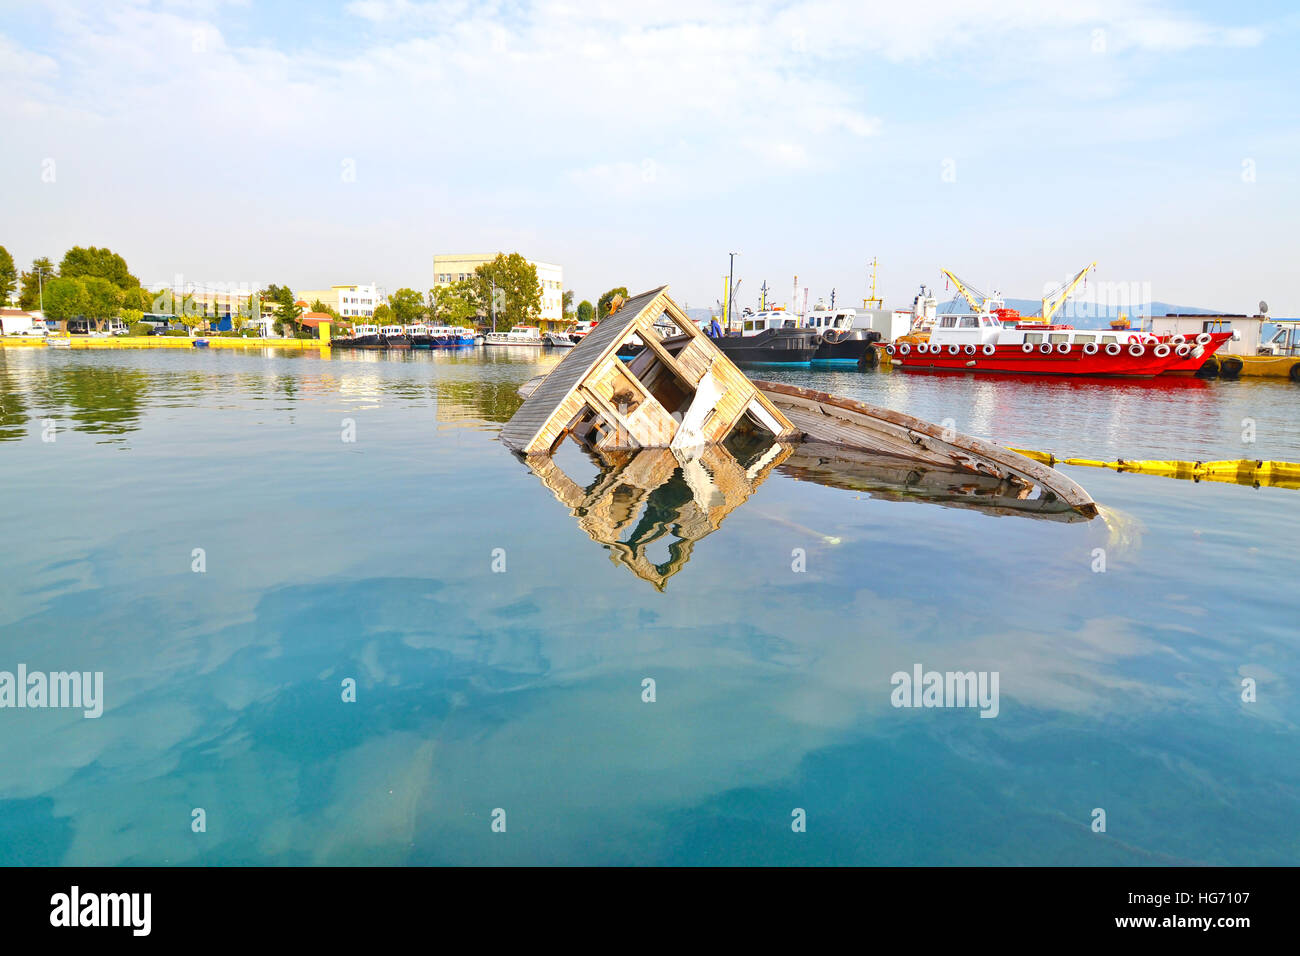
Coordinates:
x,y
372,559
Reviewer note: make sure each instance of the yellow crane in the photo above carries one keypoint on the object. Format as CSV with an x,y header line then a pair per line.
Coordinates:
x,y
978,301
1056,299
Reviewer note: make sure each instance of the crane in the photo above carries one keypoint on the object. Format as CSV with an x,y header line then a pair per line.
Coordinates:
x,y
1056,299
978,301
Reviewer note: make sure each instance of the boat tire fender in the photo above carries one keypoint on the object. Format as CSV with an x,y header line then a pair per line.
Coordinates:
x,y
1137,350
905,348
989,348
1063,348
1161,351
1112,348
1090,348
1026,347
969,350
1045,348
1204,338
1183,350
954,349
1177,339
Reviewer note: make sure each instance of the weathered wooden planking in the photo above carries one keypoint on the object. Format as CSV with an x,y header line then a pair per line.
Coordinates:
x,y
843,421
593,375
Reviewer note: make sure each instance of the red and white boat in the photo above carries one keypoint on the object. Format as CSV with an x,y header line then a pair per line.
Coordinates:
x,y
979,342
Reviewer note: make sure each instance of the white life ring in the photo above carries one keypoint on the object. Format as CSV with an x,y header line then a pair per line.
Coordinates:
x,y
1027,347
889,350
989,348
1045,348
954,349
1112,348
1149,339
1183,350
1162,350
1204,338
905,348
1090,348
1177,339
1063,347
1136,350
921,348
969,350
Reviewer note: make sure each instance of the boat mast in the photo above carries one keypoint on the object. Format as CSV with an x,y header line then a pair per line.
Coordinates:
x,y
868,303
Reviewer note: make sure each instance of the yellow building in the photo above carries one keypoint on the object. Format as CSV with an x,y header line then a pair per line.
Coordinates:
x,y
456,268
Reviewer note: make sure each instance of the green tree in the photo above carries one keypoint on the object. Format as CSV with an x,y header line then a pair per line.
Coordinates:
x,y
284,307
383,315
566,305
138,298
602,307
586,311
102,301
519,294
407,306
29,292
104,263
8,276
319,306
64,299
453,304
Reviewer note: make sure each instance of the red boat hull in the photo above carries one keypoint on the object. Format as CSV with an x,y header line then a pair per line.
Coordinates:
x,y
1013,359
1192,363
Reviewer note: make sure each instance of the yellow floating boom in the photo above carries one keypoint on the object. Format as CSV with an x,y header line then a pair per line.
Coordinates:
x,y
1245,471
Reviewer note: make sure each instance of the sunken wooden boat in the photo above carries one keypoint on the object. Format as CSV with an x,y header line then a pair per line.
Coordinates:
x,y
681,392
843,422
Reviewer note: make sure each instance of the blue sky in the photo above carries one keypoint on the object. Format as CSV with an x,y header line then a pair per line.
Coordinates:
x,y
314,143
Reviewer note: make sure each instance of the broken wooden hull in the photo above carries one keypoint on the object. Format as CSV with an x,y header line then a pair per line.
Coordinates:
x,y
891,478
831,420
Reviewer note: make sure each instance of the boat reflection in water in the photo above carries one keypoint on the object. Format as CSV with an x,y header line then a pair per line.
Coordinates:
x,y
641,498
894,479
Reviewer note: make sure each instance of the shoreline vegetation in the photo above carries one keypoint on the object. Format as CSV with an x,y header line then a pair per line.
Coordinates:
x,y
93,290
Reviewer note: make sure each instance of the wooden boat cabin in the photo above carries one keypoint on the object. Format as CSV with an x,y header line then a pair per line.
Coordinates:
x,y
679,391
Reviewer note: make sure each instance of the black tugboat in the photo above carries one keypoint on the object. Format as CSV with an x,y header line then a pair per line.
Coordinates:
x,y
771,338
842,343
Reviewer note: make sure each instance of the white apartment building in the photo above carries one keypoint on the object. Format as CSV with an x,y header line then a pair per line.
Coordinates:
x,y
457,268
349,301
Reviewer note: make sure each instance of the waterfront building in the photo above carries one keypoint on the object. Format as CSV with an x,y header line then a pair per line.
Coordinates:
x,y
550,277
349,301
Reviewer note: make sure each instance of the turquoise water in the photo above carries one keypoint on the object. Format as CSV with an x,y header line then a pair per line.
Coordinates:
x,y
373,560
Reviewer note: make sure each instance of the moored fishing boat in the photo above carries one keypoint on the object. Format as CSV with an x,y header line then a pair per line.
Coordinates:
x,y
394,337
520,335
420,336
559,340
842,341
366,337
451,337
771,337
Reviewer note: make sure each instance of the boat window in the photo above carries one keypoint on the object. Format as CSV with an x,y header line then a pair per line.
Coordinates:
x,y
1108,339
969,322
749,326
1084,339
948,322
1056,338
1033,338
788,324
